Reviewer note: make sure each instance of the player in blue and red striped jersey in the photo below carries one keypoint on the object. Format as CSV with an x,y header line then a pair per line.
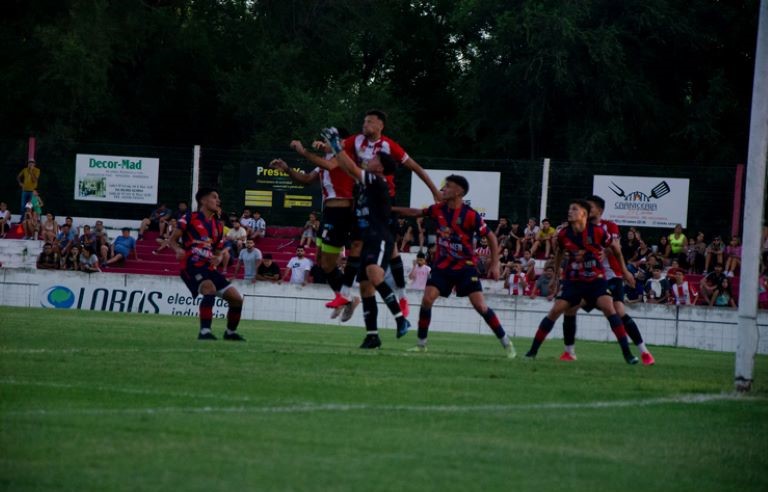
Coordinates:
x,y
455,265
202,237
580,248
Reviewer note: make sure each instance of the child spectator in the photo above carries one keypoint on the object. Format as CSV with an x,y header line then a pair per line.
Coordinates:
x,y
121,248
5,219
682,292
49,259
420,272
722,296
260,227
250,258
733,255
657,288
268,270
715,252
309,234
89,262
49,228
72,259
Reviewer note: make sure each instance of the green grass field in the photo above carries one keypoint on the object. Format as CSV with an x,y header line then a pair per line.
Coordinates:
x,y
102,401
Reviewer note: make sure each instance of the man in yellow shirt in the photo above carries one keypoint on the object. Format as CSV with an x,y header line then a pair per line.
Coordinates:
x,y
545,237
28,179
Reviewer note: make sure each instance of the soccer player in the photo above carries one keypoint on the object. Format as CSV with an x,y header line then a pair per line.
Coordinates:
x,y
203,237
455,264
373,211
615,271
580,248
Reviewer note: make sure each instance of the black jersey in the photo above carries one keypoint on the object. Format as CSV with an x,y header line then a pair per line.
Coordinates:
x,y
372,206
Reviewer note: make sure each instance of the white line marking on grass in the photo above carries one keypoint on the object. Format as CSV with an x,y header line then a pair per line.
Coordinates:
x,y
309,407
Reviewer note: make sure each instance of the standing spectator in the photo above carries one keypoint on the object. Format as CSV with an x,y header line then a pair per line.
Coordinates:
x,y
37,204
5,219
156,220
710,282
88,240
49,259
483,253
529,234
121,248
309,234
733,255
49,228
690,255
89,262
250,258
298,268
235,239
715,251
722,296
72,259
657,287
420,272
544,284
676,246
28,179
682,292
268,270
65,240
260,227
545,236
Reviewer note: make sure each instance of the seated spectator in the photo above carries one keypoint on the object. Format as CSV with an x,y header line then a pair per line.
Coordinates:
x,y
260,226
701,253
544,284
121,248
5,219
65,239
181,210
88,240
502,230
642,250
676,245
414,234
31,223
89,262
297,271
690,254
673,269
516,282
72,259
629,246
682,292
401,229
49,228
733,257
663,253
72,227
657,288
722,296
529,234
98,228
268,270
504,258
165,236
49,259
715,252
247,220
309,234
156,220
515,239
236,239
420,272
710,282
102,244
250,257
544,238
483,253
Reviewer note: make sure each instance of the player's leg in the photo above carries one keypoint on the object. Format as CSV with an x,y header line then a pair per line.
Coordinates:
x,y
634,333
605,304
478,302
370,315
548,322
375,274
398,273
569,334
235,301
208,290
431,293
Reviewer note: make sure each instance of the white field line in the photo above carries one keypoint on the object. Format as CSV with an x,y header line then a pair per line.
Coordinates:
x,y
313,407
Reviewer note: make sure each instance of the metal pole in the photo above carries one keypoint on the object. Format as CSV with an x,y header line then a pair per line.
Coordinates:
x,y
544,190
195,176
31,148
746,344
738,186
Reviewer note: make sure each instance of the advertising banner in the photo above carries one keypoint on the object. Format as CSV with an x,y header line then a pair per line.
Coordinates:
x,y
109,178
271,190
643,201
483,193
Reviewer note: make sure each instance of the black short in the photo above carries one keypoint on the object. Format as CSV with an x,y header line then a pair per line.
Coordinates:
x,y
466,280
377,250
616,288
589,292
337,225
194,276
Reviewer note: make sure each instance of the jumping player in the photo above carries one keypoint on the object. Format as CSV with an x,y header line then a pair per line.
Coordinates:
x,y
202,235
580,247
455,263
615,270
373,211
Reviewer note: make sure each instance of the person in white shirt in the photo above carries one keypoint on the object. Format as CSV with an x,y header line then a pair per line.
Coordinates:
x,y
250,258
260,226
297,271
236,238
420,272
247,221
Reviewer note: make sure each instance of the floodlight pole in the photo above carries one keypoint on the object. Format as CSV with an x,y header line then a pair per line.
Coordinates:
x,y
544,190
746,345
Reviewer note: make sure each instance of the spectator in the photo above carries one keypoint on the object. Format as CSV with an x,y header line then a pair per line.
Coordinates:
x,y
181,211
733,255
401,230
664,250
156,220
260,227
89,262
483,253
88,240
268,271
72,227
677,242
49,228
121,248
722,296
235,239
28,179
309,234
715,251
642,250
502,230
5,219
701,253
762,293
682,292
49,259
165,235
31,222
247,220
420,272
505,258
102,244
515,282
298,268
98,228
629,246
515,239
250,258
544,284
710,282
72,259
415,232
529,234
544,237
65,239
657,287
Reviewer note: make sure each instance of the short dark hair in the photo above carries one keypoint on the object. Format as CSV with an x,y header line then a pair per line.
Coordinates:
x,y
583,204
126,229
546,220
377,113
388,162
460,181
421,256
267,256
597,201
204,192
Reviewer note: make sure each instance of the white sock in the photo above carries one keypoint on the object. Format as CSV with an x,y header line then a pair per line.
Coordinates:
x,y
230,332
345,291
504,341
205,331
571,349
421,342
400,293
642,347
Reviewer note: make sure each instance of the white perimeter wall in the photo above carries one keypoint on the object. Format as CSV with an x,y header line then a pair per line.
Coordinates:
x,y
694,327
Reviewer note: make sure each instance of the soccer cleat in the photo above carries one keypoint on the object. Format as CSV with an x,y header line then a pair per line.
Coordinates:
x,y
404,307
418,348
530,355
647,358
567,356
631,359
336,312
338,301
510,350
349,309
371,342
403,325
206,336
234,337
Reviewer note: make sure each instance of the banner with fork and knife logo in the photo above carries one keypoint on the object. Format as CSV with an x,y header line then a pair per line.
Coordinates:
x,y
643,201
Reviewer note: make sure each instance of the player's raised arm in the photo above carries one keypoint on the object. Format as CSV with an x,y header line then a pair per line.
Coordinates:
x,y
296,177
331,136
313,158
422,174
408,212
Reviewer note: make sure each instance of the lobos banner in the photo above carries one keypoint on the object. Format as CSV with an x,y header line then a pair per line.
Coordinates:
x,y
109,178
643,201
483,193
